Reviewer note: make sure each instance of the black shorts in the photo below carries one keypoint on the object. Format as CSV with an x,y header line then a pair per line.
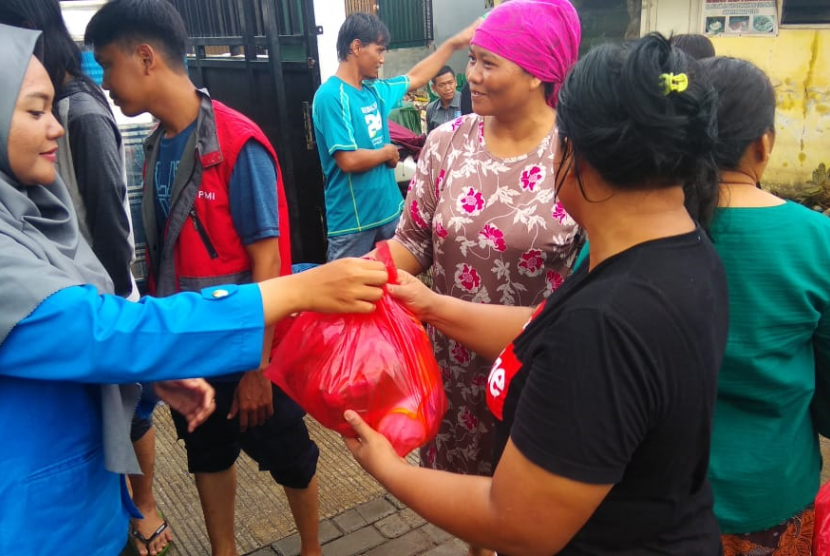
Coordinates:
x,y
281,446
140,426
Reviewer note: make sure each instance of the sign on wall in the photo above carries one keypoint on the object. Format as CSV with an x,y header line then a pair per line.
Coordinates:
x,y
740,17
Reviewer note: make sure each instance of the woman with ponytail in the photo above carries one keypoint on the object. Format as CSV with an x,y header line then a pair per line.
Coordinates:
x,y
603,395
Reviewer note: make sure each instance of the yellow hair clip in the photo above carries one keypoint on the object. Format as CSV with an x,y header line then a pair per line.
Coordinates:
x,y
670,82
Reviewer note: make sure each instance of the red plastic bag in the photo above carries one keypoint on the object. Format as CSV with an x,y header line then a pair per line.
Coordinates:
x,y
821,533
380,365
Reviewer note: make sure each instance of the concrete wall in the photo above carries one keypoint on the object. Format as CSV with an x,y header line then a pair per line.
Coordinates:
x,y
449,17
798,64
399,60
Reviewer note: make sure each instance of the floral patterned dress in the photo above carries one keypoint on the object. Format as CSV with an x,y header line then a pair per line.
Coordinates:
x,y
493,232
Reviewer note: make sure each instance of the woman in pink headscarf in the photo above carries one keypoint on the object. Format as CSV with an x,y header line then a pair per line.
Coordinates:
x,y
481,210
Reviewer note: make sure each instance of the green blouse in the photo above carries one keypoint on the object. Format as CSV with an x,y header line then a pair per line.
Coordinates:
x,y
765,460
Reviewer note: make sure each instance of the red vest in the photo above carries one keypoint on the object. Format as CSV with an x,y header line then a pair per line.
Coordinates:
x,y
208,245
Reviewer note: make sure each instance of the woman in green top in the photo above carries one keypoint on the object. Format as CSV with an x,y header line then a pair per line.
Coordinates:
x,y
765,460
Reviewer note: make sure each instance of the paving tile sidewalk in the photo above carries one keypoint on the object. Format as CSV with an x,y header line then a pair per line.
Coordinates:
x,y
357,515
385,527
380,527
360,517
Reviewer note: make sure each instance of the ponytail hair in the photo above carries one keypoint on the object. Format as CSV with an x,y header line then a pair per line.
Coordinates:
x,y
746,107
643,115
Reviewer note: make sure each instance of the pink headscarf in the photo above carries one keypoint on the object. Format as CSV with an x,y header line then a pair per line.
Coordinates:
x,y
540,36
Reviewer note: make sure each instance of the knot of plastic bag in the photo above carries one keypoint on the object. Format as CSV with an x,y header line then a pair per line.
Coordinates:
x,y
385,256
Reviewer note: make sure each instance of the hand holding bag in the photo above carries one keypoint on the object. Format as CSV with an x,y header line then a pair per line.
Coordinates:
x,y
379,364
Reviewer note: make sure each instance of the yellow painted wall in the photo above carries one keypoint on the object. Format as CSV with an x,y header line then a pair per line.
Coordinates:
x,y
798,63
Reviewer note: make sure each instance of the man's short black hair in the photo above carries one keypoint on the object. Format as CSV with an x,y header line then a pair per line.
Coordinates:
x,y
132,22
366,28
443,71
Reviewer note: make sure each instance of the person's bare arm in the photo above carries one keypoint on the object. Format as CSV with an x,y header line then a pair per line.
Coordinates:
x,y
192,397
401,256
265,264
423,71
342,286
523,509
482,328
362,160
253,400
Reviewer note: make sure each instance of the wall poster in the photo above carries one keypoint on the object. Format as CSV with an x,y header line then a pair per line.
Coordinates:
x,y
740,17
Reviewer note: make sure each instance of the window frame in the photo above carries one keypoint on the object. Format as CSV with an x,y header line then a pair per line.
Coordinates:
x,y
382,9
783,25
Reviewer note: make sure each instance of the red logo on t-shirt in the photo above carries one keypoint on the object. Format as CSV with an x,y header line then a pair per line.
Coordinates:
x,y
504,369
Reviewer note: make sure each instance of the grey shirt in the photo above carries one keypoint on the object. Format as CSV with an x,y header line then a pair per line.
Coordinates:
x,y
437,114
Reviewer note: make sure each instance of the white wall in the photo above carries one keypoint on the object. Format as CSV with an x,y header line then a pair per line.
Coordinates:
x,y
330,14
77,14
671,16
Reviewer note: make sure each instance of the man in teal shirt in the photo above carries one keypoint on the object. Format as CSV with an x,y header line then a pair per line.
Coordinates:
x,y
363,202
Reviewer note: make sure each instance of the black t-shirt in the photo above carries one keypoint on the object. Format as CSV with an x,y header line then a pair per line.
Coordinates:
x,y
615,384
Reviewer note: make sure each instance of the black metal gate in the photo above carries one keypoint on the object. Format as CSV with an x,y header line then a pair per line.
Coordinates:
x,y
260,57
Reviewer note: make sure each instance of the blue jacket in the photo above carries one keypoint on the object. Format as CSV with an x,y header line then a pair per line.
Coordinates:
x,y
55,495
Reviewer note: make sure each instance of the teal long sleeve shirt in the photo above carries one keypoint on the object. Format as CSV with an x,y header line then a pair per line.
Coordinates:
x,y
765,461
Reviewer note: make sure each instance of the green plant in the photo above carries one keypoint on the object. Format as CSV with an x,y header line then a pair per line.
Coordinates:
x,y
814,194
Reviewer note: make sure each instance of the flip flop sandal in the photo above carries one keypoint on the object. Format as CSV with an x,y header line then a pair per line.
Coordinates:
x,y
136,534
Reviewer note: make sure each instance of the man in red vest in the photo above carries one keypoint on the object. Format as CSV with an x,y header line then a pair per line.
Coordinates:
x,y
214,212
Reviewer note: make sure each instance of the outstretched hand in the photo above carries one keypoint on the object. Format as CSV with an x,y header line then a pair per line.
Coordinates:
x,y
192,397
344,286
462,38
413,294
370,449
